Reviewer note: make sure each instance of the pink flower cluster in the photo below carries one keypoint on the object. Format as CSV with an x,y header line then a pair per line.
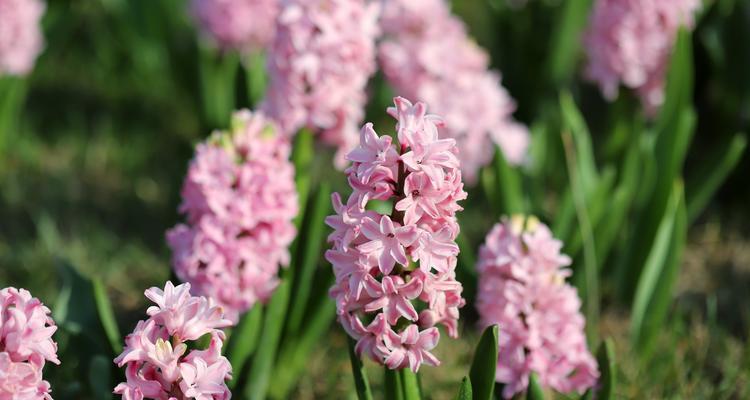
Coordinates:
x,y
428,55
388,267
522,289
21,38
319,65
25,345
239,197
629,42
244,25
158,360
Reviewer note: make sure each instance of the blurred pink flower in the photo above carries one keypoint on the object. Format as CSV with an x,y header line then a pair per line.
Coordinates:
x,y
384,264
239,198
427,55
25,345
21,38
629,43
244,25
158,362
522,289
319,64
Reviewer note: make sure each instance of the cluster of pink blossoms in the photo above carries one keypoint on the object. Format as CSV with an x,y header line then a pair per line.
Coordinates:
x,y
240,199
387,265
427,55
160,365
244,25
629,42
25,345
522,289
21,38
319,64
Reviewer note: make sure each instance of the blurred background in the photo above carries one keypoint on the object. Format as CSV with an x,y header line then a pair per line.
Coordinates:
x,y
91,178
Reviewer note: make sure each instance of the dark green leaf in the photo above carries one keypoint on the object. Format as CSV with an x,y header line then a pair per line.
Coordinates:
x,y
361,383
565,46
534,391
100,377
392,384
243,341
107,316
483,367
464,391
508,186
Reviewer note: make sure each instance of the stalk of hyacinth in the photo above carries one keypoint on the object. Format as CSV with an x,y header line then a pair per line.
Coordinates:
x,y
239,198
427,55
25,345
243,25
629,43
161,357
21,38
522,289
389,267
319,63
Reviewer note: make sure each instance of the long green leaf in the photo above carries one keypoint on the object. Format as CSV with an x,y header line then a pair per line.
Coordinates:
x,y
392,384
244,340
302,156
361,383
654,291
508,186
100,377
410,384
464,391
565,43
700,189
260,372
679,87
107,316
605,356
574,123
312,240
483,366
534,391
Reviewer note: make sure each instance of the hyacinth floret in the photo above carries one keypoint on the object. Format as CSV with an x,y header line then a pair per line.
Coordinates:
x,y
427,55
629,43
242,25
161,357
395,274
21,38
26,343
239,198
319,63
522,289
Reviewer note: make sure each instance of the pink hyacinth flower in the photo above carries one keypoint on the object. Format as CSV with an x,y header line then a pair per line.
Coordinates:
x,y
161,358
243,25
522,289
388,267
428,55
629,43
319,63
21,38
25,345
239,198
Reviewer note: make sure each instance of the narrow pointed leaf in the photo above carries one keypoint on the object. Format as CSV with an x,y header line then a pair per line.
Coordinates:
x,y
361,383
464,391
483,366
243,341
107,316
508,186
534,391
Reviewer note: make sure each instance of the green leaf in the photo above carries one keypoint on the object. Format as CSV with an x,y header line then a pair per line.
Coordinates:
x,y
508,186
255,74
679,87
218,73
361,383
312,238
260,372
574,122
392,384
243,341
100,377
483,367
534,391
107,316
302,156
654,291
464,391
410,384
700,189
565,43
605,356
